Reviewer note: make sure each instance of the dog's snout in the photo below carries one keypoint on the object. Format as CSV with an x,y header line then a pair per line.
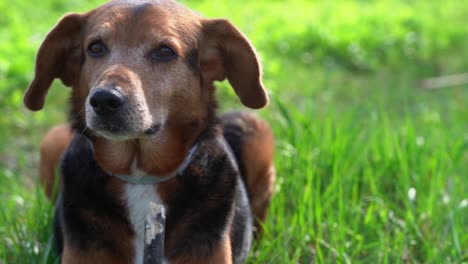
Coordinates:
x,y
106,102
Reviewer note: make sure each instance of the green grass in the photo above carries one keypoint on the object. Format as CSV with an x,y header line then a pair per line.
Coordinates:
x,y
355,136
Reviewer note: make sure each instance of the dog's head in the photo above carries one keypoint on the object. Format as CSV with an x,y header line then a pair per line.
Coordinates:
x,y
137,67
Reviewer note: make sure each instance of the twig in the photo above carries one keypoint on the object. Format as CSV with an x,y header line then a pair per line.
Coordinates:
x,y
154,234
445,81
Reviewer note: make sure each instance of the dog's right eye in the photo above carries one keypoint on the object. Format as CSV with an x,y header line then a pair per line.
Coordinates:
x,y
96,49
163,54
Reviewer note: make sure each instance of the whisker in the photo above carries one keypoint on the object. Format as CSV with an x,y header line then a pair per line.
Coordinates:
x,y
84,130
73,117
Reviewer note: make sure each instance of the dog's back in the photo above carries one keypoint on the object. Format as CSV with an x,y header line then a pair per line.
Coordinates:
x,y
252,143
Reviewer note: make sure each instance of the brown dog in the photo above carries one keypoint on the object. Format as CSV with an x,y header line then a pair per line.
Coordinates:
x,y
142,74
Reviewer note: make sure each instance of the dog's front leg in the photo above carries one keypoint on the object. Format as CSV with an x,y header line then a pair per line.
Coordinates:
x,y
92,221
221,255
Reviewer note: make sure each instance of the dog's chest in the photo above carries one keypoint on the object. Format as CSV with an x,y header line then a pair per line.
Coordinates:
x,y
138,198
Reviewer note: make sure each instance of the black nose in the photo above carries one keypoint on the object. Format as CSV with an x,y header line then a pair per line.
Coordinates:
x,y
106,101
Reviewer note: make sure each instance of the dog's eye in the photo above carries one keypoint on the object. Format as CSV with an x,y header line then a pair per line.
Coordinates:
x,y
96,49
163,53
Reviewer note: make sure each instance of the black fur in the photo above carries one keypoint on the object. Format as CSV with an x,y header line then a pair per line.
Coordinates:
x,y
84,187
193,61
242,229
234,135
139,9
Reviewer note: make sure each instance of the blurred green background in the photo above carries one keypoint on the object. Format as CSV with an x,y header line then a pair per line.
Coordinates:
x,y
371,168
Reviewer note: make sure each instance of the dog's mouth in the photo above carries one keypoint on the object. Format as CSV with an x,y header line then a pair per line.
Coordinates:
x,y
154,129
119,132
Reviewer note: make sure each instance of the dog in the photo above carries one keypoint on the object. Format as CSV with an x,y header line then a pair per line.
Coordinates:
x,y
143,128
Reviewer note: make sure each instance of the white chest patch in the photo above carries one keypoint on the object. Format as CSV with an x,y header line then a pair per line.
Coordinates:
x,y
138,200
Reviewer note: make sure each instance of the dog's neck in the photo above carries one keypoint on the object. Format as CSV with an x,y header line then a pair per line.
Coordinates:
x,y
139,177
160,155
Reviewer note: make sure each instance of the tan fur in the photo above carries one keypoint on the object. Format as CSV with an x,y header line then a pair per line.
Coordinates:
x,y
222,255
72,256
53,146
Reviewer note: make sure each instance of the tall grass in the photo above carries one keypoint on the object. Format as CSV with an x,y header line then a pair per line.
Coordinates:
x,y
366,186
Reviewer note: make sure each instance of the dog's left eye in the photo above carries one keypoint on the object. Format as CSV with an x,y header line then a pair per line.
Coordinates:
x,y
97,49
163,53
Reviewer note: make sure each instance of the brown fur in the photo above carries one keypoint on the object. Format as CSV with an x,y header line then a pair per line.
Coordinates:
x,y
73,256
256,150
53,145
259,168
221,255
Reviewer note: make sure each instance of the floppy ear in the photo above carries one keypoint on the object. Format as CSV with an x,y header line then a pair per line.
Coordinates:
x,y
226,53
59,57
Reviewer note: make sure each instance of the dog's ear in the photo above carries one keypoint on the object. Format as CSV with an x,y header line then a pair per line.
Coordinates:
x,y
58,57
226,53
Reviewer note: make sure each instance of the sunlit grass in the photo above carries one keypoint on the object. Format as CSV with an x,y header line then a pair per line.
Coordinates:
x,y
363,185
